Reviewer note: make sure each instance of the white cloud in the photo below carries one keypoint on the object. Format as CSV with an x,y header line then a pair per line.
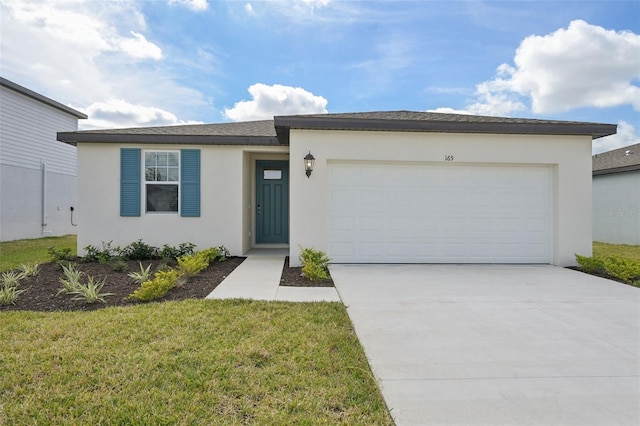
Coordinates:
x,y
626,136
139,47
120,113
196,5
316,3
583,65
276,100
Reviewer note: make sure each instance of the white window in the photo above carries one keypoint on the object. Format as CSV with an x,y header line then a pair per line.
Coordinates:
x,y
162,181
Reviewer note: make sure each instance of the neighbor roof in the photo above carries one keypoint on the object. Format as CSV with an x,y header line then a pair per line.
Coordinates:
x,y
619,160
276,131
40,98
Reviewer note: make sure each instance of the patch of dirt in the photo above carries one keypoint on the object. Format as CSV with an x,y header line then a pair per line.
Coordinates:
x,y
292,277
41,292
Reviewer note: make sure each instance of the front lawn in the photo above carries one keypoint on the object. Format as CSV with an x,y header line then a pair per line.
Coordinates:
x,y
189,362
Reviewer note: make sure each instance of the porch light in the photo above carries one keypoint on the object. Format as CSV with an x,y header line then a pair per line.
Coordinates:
x,y
308,163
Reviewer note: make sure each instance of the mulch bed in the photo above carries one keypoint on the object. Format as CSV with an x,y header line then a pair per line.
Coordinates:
x,y
41,292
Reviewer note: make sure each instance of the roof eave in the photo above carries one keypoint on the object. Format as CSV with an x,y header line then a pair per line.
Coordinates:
x,y
595,130
73,138
632,168
41,98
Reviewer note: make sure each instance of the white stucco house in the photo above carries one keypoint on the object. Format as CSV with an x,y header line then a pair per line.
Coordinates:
x,y
37,173
616,196
386,187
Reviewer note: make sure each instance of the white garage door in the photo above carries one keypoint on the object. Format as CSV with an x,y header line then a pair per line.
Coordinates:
x,y
428,213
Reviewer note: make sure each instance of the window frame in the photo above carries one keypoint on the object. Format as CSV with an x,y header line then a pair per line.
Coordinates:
x,y
177,183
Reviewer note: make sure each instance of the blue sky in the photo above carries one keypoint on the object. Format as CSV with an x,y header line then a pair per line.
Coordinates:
x,y
131,63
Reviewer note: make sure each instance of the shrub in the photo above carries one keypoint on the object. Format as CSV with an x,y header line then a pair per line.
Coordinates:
x,y
60,254
94,254
216,254
90,292
183,249
11,278
591,265
143,275
627,270
9,294
71,280
118,264
29,269
138,250
188,266
314,264
162,282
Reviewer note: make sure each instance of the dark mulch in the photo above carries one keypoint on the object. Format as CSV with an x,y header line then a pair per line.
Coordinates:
x,y
292,277
41,291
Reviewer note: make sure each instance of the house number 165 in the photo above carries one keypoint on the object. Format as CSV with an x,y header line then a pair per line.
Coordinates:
x,y
448,158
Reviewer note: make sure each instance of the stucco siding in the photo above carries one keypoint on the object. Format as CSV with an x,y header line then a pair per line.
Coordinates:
x,y
225,200
616,208
568,156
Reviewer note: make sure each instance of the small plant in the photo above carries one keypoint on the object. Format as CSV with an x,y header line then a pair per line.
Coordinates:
x,y
184,249
162,282
118,264
94,254
591,265
188,266
30,269
71,280
60,254
90,292
11,278
314,264
216,254
9,294
143,275
138,250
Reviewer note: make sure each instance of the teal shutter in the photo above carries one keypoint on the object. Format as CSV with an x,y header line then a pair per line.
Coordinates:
x,y
130,174
190,183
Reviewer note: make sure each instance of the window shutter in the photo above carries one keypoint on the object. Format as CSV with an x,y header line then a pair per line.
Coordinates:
x,y
130,182
190,183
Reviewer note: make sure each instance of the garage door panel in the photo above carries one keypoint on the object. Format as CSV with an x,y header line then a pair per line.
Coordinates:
x,y
395,212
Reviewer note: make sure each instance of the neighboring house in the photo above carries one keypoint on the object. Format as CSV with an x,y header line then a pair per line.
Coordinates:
x,y
616,196
386,187
37,173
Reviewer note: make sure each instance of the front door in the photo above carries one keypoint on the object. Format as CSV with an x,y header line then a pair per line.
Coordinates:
x,y
272,202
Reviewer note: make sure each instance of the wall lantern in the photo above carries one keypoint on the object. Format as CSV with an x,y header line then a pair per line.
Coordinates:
x,y
308,163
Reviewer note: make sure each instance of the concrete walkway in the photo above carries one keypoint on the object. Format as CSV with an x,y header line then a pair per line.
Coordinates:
x,y
258,278
497,344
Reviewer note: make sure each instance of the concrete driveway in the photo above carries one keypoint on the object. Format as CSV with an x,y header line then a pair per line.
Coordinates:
x,y
497,344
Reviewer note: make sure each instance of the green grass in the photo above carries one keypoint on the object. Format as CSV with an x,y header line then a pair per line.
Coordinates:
x,y
617,250
192,362
18,252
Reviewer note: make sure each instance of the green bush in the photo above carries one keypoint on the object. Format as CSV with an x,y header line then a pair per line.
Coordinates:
x,y
139,250
9,294
188,266
184,249
162,282
215,254
143,275
90,292
29,269
118,264
94,254
591,265
11,278
314,264
627,270
60,254
71,280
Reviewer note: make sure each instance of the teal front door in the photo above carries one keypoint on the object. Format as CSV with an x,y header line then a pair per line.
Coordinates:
x,y
272,202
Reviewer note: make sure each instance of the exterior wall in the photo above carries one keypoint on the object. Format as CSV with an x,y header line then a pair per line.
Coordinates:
x,y
616,208
225,204
569,156
28,138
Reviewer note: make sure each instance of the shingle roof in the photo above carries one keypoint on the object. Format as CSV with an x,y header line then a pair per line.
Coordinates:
x,y
276,131
40,98
618,160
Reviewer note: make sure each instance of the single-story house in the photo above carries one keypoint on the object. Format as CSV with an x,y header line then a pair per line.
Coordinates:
x,y
37,173
385,187
616,196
